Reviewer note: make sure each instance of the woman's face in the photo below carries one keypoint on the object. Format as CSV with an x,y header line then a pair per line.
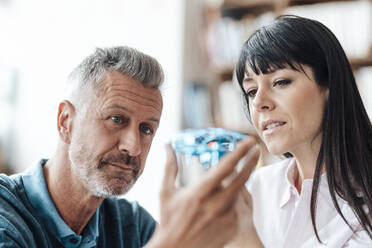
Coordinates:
x,y
286,107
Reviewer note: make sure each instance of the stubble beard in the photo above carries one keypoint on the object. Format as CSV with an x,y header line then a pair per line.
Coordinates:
x,y
91,173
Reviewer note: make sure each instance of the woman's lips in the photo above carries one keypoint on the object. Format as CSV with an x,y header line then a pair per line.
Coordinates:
x,y
273,127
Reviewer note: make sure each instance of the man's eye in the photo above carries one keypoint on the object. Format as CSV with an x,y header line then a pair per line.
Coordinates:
x,y
147,130
117,119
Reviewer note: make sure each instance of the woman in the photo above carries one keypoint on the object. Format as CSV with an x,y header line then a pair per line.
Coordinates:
x,y
304,103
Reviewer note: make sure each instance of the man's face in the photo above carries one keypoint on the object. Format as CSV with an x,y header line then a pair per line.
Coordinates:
x,y
112,131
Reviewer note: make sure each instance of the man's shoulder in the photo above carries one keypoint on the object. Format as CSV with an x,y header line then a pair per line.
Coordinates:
x,y
9,189
9,200
15,218
6,183
127,218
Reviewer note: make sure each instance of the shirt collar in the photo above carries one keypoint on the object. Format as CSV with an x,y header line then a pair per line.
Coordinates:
x,y
289,183
290,189
38,195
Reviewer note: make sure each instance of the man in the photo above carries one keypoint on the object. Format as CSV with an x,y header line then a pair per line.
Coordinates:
x,y
105,128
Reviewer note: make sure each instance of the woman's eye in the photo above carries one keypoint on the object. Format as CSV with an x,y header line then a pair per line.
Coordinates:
x,y
147,130
251,93
282,82
117,119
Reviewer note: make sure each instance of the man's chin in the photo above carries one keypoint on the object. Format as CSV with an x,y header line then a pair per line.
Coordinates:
x,y
112,189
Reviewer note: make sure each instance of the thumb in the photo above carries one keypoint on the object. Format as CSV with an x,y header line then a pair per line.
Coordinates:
x,y
170,170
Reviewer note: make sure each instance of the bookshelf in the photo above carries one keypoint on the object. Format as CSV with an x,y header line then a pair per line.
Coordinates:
x,y
239,9
225,74
246,13
245,16
358,63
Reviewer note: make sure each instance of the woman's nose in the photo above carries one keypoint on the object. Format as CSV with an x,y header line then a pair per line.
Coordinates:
x,y
262,101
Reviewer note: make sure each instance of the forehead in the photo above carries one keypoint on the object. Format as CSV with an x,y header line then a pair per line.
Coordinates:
x,y
117,87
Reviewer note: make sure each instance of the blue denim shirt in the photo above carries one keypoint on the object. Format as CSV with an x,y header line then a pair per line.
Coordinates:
x,y
37,192
28,218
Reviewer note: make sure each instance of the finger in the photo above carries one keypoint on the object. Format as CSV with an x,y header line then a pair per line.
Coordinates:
x,y
240,205
226,196
227,221
239,181
227,165
170,170
246,196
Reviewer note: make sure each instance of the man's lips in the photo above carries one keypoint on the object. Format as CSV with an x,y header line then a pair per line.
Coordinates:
x,y
122,167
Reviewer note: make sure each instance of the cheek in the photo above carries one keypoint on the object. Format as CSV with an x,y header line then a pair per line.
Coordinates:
x,y
146,145
97,140
309,108
254,119
145,148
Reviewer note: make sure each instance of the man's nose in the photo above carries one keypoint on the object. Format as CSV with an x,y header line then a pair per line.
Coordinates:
x,y
130,141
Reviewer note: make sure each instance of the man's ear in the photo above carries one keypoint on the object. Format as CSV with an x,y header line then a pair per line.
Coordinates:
x,y
66,113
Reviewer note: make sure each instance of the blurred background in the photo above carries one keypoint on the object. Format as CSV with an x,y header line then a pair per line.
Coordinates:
x,y
196,41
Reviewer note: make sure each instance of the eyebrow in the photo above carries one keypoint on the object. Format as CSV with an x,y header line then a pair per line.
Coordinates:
x,y
116,106
247,79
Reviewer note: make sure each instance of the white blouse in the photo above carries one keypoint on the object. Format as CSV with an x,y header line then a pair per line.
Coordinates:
x,y
282,216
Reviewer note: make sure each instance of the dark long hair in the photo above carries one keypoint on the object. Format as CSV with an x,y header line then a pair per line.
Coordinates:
x,y
346,149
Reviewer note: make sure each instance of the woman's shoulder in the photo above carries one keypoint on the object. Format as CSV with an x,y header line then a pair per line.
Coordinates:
x,y
269,178
272,171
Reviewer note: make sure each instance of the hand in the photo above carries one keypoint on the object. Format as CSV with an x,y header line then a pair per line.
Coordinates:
x,y
246,235
203,214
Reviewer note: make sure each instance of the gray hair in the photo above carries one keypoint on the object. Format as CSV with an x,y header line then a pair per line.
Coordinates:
x,y
126,60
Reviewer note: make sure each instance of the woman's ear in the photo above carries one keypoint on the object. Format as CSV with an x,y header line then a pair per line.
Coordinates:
x,y
325,92
66,113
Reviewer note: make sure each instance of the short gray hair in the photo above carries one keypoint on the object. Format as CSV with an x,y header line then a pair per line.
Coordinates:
x,y
126,60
